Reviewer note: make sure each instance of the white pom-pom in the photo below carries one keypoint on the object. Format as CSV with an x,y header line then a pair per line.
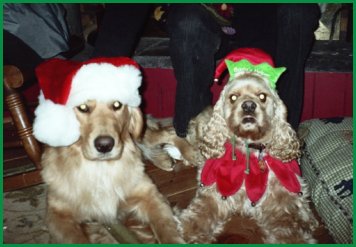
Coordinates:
x,y
55,125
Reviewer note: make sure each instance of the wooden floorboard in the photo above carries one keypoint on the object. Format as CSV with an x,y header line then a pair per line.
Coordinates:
x,y
178,186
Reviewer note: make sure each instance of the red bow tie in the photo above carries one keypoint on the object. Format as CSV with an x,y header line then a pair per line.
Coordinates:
x,y
229,174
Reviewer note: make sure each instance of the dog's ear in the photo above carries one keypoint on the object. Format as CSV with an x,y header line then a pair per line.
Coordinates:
x,y
285,144
215,132
135,122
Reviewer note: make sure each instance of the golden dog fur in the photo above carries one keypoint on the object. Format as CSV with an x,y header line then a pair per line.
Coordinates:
x,y
87,185
279,216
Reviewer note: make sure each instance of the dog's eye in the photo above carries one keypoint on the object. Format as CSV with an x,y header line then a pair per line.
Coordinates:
x,y
83,108
233,98
262,97
116,105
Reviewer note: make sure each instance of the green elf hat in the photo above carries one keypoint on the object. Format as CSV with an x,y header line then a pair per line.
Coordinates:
x,y
249,60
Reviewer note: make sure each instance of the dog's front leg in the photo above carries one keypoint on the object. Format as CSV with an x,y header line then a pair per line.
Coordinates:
x,y
204,218
152,208
63,227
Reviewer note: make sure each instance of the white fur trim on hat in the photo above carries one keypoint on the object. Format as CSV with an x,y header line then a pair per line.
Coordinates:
x,y
55,124
106,82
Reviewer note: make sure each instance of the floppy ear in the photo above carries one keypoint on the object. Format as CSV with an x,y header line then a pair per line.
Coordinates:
x,y
215,132
135,122
285,144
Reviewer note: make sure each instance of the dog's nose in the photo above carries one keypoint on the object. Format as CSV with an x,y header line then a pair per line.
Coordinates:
x,y
104,144
248,106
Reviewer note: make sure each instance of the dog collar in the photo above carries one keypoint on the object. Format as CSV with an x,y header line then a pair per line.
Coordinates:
x,y
229,174
258,146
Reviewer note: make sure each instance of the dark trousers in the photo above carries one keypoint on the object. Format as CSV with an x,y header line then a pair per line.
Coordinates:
x,y
286,31
294,43
194,40
121,29
19,54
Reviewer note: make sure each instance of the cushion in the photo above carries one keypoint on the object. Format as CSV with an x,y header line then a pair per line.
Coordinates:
x,y
327,166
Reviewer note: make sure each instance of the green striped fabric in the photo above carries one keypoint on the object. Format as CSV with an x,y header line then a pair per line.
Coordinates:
x,y
327,166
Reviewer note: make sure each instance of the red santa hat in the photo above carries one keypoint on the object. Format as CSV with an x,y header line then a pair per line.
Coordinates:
x,y
66,84
253,55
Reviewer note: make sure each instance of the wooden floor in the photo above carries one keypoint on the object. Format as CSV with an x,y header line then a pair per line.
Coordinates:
x,y
178,186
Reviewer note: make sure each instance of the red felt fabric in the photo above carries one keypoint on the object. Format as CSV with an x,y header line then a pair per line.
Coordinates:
x,y
286,173
253,55
229,174
256,180
55,75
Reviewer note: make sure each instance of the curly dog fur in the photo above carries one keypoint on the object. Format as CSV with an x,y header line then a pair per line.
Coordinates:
x,y
252,112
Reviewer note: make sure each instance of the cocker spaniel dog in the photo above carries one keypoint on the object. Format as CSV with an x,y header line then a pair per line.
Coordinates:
x,y
247,166
89,117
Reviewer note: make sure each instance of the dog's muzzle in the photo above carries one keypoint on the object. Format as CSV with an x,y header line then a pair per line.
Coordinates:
x,y
104,144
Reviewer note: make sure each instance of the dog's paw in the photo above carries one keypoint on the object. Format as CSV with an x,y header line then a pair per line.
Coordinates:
x,y
98,234
173,151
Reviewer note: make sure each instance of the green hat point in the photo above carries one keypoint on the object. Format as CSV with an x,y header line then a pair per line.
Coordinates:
x,y
264,69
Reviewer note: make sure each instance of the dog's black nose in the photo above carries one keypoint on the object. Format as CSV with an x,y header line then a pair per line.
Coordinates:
x,y
104,144
249,106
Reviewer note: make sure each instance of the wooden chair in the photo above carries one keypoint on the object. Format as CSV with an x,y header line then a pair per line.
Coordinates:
x,y
13,80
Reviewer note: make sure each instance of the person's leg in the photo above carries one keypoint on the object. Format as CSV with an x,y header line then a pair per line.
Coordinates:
x,y
194,40
120,29
15,50
256,26
296,26
19,54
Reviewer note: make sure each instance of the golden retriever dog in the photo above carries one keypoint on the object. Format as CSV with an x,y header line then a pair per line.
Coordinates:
x,y
247,169
93,164
101,177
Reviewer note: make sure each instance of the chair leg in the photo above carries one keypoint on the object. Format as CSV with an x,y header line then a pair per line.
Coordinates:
x,y
24,128
13,78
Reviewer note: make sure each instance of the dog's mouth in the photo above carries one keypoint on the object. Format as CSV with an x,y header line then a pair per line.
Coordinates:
x,y
248,128
255,133
106,157
248,120
102,157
